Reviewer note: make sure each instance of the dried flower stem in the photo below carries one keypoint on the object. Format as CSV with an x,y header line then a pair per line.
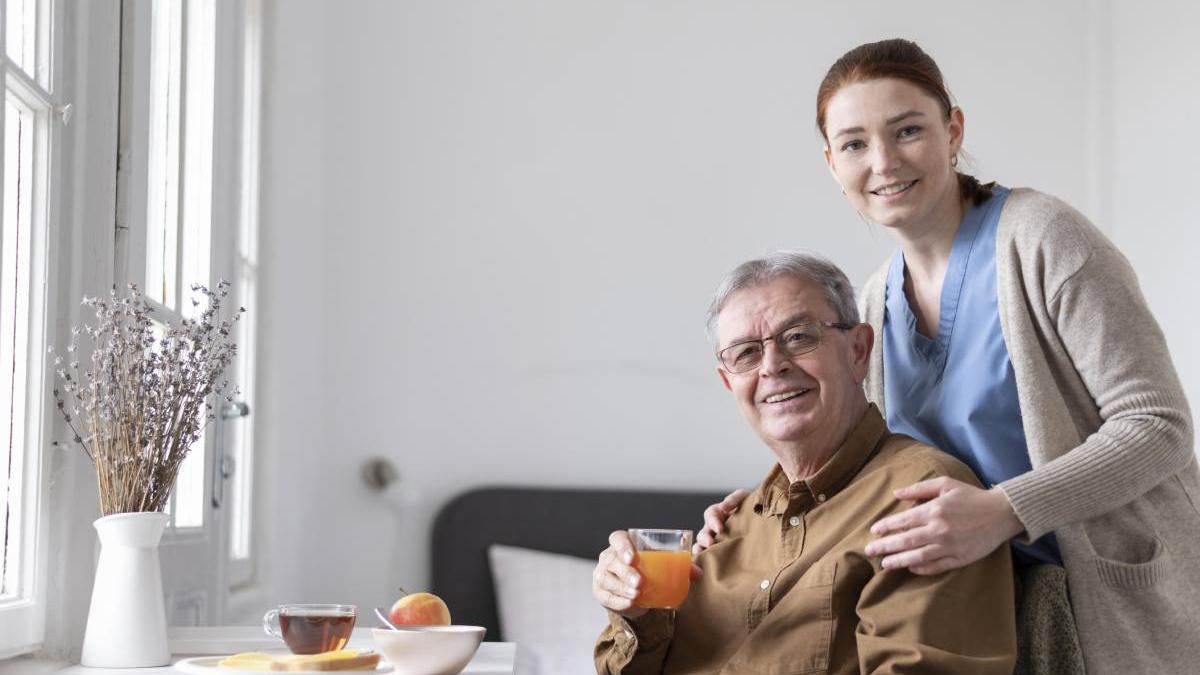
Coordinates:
x,y
146,399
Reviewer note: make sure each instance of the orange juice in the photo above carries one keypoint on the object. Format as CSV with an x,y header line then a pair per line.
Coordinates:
x,y
665,576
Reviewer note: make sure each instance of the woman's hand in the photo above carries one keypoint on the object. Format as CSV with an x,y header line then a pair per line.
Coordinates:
x,y
956,525
615,582
714,520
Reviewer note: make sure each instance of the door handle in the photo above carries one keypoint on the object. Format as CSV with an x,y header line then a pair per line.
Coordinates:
x,y
232,410
222,464
228,466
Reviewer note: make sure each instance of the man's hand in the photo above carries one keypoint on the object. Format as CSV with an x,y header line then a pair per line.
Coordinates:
x,y
714,520
956,525
615,582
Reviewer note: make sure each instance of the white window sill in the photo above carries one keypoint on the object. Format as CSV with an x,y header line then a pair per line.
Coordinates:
x,y
29,665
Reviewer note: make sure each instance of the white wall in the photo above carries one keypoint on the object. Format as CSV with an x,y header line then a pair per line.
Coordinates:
x,y
1155,167
490,230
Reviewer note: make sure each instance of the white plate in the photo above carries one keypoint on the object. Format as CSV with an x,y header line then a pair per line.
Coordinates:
x,y
207,665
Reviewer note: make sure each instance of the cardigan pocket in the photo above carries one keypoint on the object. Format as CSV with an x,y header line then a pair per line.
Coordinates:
x,y
1134,576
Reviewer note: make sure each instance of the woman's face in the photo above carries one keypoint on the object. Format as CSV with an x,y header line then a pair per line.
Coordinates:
x,y
889,145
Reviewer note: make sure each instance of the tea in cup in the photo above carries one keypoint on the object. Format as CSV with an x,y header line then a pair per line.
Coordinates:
x,y
311,629
664,559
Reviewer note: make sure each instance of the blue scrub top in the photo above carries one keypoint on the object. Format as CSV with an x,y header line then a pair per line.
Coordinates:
x,y
957,392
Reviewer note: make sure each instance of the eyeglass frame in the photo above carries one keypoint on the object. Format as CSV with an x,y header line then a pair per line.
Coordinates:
x,y
762,342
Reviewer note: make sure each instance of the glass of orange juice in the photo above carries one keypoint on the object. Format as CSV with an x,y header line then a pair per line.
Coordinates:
x,y
664,559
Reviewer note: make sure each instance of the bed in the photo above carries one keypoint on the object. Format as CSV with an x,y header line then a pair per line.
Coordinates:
x,y
552,535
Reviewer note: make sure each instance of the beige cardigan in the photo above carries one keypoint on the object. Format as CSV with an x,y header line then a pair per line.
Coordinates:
x,y
1109,435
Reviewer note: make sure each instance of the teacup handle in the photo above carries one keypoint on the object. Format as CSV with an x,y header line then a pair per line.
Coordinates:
x,y
271,624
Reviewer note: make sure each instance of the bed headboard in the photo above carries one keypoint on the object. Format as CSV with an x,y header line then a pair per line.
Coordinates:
x,y
558,520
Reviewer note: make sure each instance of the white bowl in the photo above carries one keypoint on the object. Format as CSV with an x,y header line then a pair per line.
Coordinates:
x,y
428,650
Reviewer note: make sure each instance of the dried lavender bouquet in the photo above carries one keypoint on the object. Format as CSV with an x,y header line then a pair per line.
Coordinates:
x,y
148,394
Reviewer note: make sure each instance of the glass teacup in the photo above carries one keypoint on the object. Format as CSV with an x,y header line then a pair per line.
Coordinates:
x,y
311,629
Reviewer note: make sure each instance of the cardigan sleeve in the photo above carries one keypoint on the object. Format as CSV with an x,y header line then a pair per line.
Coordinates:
x,y
871,301
1120,355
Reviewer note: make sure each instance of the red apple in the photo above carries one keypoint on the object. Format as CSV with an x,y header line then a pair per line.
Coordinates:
x,y
419,609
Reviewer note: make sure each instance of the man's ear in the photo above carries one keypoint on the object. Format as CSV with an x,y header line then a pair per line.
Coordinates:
x,y
862,340
724,378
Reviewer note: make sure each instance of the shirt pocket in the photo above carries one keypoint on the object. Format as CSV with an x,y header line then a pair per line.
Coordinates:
x,y
796,637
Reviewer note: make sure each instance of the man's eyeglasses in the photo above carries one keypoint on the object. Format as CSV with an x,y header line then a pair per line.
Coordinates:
x,y
799,339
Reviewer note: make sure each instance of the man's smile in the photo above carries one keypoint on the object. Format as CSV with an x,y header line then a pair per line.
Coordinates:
x,y
785,395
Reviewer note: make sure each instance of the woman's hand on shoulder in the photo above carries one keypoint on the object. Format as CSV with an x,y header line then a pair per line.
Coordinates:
x,y
955,525
715,517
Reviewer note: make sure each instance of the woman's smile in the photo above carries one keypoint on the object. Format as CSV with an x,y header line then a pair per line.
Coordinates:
x,y
893,189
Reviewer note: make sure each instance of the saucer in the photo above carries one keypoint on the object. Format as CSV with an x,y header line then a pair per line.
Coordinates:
x,y
207,665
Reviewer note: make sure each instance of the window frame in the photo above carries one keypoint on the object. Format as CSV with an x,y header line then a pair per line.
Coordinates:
x,y
186,193
23,618
243,90
233,204
85,219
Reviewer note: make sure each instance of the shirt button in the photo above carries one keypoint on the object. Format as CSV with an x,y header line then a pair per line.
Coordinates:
x,y
821,497
765,584
794,521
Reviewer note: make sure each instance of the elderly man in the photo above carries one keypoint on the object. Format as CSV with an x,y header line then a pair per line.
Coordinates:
x,y
790,590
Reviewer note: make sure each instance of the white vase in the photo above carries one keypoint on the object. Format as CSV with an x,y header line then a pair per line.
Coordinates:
x,y
127,625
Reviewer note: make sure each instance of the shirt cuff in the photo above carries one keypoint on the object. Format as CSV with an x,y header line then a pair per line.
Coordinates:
x,y
646,633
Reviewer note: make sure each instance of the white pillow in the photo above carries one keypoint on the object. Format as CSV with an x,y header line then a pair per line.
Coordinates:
x,y
546,607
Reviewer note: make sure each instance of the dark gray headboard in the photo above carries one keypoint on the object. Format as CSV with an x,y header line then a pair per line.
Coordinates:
x,y
568,521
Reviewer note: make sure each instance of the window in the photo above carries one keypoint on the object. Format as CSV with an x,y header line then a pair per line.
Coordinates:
x,y
181,213
29,137
240,442
14,349
186,197
179,186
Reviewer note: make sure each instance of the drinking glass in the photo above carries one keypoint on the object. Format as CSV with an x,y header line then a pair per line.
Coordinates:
x,y
311,629
664,559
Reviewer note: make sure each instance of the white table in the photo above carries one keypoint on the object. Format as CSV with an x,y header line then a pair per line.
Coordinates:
x,y
493,658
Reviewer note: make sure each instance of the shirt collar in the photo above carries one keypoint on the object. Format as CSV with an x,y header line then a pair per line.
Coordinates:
x,y
777,495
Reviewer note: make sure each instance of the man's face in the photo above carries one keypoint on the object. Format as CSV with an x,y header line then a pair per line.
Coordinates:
x,y
812,397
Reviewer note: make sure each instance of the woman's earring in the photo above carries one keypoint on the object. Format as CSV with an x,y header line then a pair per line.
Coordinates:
x,y
843,189
954,160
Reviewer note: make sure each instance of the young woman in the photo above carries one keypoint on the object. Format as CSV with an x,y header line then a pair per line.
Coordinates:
x,y
1014,336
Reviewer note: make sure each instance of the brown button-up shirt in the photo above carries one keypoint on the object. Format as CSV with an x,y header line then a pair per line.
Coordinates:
x,y
789,589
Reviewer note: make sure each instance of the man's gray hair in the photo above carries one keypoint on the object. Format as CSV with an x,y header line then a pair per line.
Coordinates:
x,y
839,294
